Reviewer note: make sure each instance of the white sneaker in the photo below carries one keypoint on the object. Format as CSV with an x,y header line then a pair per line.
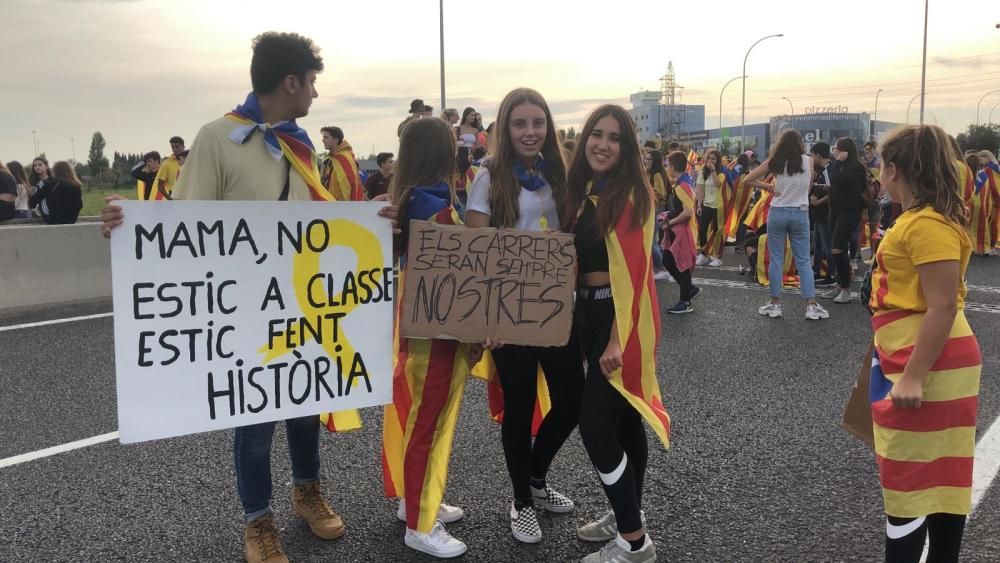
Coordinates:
x,y
772,310
437,543
617,551
815,312
446,513
662,275
715,263
604,529
551,500
524,524
832,294
843,297
701,260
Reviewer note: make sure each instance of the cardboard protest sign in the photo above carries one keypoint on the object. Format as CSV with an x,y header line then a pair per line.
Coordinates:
x,y
472,284
858,411
236,313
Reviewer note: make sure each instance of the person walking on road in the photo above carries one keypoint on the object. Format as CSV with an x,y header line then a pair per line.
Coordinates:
x,y
788,219
927,362
680,232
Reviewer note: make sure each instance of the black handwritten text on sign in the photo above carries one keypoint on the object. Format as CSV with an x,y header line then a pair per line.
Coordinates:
x,y
472,284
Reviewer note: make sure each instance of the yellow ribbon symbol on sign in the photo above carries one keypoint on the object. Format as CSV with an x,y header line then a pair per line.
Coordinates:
x,y
305,265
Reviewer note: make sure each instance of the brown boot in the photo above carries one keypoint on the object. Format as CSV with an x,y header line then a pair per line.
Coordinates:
x,y
263,545
310,505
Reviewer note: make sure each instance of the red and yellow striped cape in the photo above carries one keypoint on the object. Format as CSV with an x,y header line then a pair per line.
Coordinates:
x,y
637,315
429,377
340,173
487,371
757,217
789,276
170,170
741,194
992,173
979,208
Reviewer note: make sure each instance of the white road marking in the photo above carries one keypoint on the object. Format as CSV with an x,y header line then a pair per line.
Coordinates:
x,y
56,321
987,463
62,448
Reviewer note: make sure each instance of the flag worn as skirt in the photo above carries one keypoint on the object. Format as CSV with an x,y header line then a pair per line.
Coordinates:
x,y
925,455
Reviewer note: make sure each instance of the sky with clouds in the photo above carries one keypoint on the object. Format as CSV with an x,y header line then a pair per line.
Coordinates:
x,y
141,71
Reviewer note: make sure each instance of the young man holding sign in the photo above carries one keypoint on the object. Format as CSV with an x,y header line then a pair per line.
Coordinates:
x,y
257,152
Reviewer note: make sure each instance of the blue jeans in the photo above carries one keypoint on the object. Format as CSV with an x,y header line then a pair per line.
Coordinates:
x,y
822,249
252,453
657,251
793,223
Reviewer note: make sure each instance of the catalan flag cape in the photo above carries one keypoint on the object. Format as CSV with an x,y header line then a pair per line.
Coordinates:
x,y
659,184
140,190
741,194
977,200
757,217
684,245
637,315
284,139
487,371
789,276
428,381
925,455
340,174
992,174
716,239
166,178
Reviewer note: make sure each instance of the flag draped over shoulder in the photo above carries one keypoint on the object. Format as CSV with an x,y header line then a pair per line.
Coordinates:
x,y
487,371
283,139
340,174
428,380
992,184
637,315
977,200
716,239
167,175
741,194
757,217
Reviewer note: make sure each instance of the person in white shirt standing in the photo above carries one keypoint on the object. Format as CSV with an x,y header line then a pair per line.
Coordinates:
x,y
788,219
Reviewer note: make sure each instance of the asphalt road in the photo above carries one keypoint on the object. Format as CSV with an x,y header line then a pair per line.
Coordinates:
x,y
758,471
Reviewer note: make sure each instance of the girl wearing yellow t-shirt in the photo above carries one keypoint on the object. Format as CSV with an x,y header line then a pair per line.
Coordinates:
x,y
925,375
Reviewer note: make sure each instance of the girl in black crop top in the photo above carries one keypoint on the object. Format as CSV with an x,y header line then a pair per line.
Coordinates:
x,y
614,224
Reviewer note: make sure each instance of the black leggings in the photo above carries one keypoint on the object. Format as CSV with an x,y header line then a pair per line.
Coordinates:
x,y
945,532
683,279
517,367
708,217
611,428
843,225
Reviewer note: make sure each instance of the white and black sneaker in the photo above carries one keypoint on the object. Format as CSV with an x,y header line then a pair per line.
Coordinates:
x,y
524,524
604,529
551,500
438,542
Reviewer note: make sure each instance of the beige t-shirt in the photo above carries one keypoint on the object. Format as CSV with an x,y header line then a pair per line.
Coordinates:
x,y
219,169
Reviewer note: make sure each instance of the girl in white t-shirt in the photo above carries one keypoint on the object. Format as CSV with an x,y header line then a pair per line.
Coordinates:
x,y
522,185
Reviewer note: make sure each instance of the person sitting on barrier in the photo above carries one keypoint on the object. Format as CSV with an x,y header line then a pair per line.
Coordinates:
x,y
22,207
61,200
40,174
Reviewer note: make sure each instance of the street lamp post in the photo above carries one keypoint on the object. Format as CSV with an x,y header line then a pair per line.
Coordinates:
x,y
790,106
923,66
743,104
720,100
72,143
34,141
981,103
875,118
441,28
991,112
908,106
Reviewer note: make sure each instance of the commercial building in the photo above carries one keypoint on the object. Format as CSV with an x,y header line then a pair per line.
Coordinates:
x,y
653,117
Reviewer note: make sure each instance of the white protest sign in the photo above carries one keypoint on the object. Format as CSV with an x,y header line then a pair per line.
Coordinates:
x,y
235,313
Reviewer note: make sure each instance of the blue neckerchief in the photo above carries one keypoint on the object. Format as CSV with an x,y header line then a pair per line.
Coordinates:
x,y
533,180
250,109
427,201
